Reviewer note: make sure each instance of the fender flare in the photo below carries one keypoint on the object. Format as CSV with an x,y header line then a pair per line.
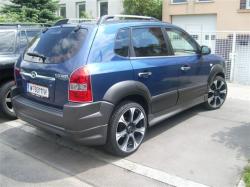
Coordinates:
x,y
216,69
124,89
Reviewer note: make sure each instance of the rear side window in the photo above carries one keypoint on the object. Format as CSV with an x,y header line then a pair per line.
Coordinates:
x,y
56,45
122,43
149,42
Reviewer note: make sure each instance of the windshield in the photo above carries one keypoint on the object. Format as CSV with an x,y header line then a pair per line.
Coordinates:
x,y
55,45
7,41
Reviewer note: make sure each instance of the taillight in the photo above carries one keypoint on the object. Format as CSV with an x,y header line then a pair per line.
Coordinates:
x,y
16,73
80,86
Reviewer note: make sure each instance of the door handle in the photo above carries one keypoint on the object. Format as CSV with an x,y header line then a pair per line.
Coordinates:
x,y
146,74
185,68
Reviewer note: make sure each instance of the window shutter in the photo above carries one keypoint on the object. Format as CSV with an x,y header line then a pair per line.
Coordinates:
x,y
243,4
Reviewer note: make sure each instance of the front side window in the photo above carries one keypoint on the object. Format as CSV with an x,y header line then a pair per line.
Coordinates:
x,y
122,43
149,42
182,44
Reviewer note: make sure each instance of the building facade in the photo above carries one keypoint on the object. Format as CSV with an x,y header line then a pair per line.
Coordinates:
x,y
208,15
91,8
223,25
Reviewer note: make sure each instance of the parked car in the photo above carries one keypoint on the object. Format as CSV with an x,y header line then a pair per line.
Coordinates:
x,y
13,40
105,83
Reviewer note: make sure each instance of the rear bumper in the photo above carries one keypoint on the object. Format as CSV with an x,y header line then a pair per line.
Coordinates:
x,y
84,123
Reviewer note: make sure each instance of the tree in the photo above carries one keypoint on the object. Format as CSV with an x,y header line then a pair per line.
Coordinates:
x,y
37,11
143,7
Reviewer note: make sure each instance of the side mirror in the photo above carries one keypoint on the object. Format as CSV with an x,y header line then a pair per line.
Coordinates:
x,y
205,50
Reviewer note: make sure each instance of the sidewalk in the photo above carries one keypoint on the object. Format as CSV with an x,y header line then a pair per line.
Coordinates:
x,y
237,91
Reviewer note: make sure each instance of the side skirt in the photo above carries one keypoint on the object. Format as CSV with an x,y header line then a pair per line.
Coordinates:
x,y
161,116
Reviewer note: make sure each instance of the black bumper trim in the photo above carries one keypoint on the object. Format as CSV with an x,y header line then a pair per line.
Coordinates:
x,y
84,123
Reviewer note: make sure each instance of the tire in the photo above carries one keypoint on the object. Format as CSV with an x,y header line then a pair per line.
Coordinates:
x,y
6,108
217,93
125,135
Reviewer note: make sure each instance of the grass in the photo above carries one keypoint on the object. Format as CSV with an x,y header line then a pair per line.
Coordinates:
x,y
246,176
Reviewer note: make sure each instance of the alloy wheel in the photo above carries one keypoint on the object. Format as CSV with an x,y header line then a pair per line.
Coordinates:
x,y
131,129
8,102
217,93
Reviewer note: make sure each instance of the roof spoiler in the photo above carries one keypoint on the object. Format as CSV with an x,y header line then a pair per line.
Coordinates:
x,y
76,21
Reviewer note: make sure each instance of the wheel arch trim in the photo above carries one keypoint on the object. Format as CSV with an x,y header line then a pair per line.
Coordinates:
x,y
215,70
124,89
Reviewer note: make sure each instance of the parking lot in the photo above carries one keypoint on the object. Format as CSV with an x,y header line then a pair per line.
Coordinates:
x,y
194,148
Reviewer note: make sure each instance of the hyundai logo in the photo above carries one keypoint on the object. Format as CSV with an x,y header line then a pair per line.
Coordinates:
x,y
33,74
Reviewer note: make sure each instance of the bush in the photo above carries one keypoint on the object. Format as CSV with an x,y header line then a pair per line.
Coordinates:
x,y
247,176
34,11
151,8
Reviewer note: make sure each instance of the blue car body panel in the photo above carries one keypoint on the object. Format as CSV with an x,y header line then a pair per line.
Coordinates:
x,y
107,68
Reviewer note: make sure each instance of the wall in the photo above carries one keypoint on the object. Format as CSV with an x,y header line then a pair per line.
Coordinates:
x,y
229,15
115,7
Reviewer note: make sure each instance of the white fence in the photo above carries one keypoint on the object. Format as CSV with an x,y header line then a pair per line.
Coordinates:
x,y
234,47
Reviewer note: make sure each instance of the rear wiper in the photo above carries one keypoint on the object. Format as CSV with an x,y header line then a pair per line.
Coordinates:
x,y
37,55
45,29
78,27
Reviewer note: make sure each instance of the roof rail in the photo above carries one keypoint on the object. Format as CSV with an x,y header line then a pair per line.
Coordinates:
x,y
70,20
125,17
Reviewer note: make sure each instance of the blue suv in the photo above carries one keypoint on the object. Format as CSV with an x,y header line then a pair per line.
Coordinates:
x,y
106,82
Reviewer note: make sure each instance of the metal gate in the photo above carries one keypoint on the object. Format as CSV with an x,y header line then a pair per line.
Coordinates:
x,y
234,47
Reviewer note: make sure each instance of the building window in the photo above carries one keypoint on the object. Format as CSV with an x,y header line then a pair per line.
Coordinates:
x,y
81,10
102,8
248,4
62,11
244,4
204,1
178,1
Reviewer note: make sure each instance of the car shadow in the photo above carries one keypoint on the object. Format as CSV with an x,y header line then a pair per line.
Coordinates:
x,y
3,119
171,122
236,138
64,161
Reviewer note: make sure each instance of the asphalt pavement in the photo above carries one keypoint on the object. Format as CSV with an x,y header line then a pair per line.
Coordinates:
x,y
194,148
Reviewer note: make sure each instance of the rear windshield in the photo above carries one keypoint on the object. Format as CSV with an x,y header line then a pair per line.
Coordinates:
x,y
7,42
55,45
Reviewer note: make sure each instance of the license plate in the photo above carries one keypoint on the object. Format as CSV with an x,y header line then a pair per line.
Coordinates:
x,y
37,90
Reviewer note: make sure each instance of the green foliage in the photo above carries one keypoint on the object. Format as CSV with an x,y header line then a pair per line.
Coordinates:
x,y
247,176
36,11
85,15
143,7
